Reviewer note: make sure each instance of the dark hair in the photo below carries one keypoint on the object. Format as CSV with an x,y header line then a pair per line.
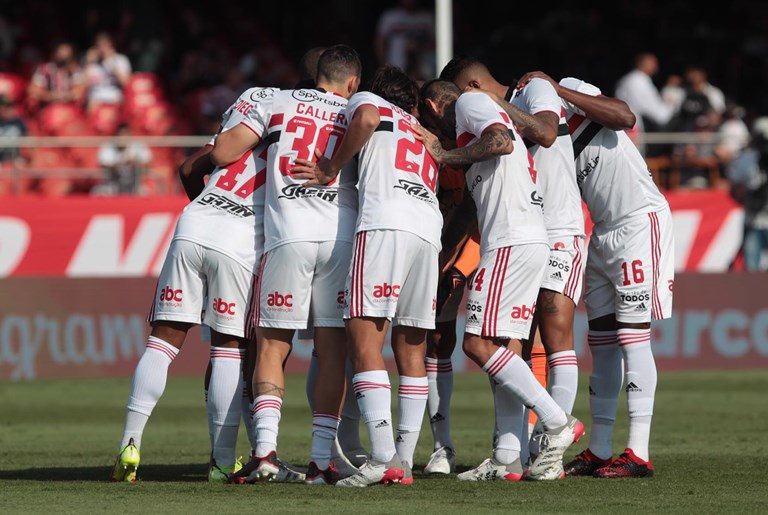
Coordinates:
x,y
439,90
308,67
393,85
338,63
457,66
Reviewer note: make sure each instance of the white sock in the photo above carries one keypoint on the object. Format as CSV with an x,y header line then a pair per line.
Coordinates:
x,y
224,402
509,411
349,427
324,428
147,387
604,388
312,379
563,378
640,371
511,373
373,396
266,419
440,378
412,396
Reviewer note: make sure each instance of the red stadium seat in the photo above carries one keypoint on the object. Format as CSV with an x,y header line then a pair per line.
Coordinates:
x,y
105,119
57,119
143,82
12,86
157,120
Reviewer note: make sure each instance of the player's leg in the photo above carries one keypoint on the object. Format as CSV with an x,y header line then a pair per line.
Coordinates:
x,y
414,316
230,288
507,313
224,404
607,368
349,427
370,305
327,309
283,299
177,304
440,345
642,280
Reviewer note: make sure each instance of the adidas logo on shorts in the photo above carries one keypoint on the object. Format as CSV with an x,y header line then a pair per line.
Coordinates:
x,y
641,307
556,275
473,318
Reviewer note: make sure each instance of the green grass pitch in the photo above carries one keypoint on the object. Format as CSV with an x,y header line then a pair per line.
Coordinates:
x,y
58,438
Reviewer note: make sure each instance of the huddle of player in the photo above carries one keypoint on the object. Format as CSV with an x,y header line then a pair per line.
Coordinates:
x,y
323,212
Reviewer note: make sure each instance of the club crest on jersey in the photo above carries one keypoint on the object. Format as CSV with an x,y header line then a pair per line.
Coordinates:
x,y
262,94
224,204
297,191
415,190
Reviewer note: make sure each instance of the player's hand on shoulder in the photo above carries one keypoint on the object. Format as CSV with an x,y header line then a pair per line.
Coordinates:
x,y
315,173
431,142
496,98
536,75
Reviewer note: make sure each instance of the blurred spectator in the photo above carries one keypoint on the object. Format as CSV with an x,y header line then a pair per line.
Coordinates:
x,y
697,79
733,134
123,166
673,92
220,97
58,81
636,88
697,163
405,38
748,174
11,126
695,107
107,72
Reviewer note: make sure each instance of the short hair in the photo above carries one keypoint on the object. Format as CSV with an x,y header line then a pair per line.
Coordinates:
x,y
439,90
393,85
457,66
338,63
308,63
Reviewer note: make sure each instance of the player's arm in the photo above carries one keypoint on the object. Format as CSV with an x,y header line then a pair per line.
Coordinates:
x,y
193,170
361,128
232,144
609,112
541,128
494,142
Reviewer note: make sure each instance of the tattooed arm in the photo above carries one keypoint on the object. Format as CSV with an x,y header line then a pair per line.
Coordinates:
x,y
494,142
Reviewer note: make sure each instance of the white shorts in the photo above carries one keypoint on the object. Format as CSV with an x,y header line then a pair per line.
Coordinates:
x,y
503,291
393,275
631,269
200,285
302,281
565,268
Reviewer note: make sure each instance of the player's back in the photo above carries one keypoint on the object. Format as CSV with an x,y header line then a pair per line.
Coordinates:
x,y
563,215
509,208
397,176
228,215
293,125
612,175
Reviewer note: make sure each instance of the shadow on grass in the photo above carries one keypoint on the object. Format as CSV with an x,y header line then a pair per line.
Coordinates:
x,y
157,473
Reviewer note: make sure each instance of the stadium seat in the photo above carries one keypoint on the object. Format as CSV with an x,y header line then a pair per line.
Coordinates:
x,y
105,119
142,82
12,86
57,119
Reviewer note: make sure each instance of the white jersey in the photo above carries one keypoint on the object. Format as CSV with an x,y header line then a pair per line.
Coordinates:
x,y
503,188
293,124
397,177
613,177
228,216
563,215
